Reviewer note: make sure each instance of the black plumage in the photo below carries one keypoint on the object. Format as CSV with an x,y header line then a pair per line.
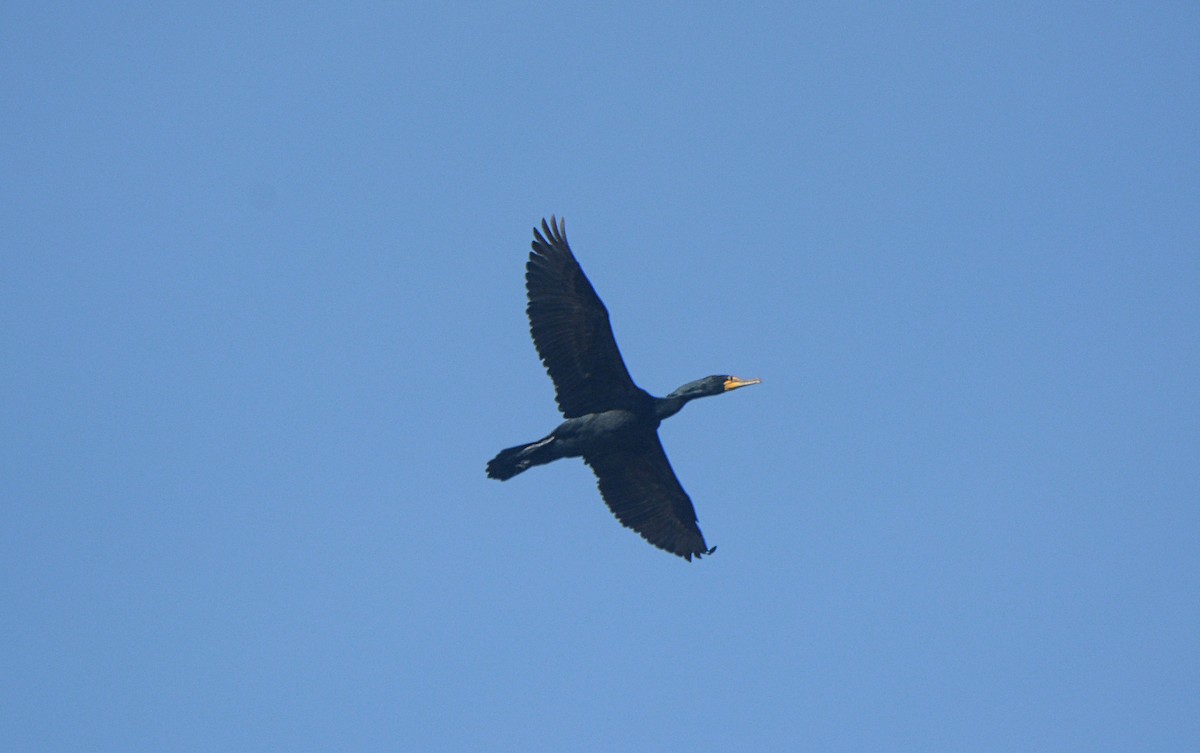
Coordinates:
x,y
610,422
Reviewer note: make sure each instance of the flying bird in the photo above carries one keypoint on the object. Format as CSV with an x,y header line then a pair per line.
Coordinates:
x,y
610,422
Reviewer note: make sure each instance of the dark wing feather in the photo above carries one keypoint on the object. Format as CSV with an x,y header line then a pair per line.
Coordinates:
x,y
640,488
571,330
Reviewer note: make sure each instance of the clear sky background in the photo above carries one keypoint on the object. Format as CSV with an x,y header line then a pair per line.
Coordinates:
x,y
263,323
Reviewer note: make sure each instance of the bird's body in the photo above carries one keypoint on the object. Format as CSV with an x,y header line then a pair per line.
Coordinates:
x,y
609,421
573,438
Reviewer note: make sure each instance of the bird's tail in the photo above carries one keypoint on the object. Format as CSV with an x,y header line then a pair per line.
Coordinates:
x,y
513,460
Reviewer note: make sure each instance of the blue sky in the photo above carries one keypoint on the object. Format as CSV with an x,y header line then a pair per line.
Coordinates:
x,y
263,324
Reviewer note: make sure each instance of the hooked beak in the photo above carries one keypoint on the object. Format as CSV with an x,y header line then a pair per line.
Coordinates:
x,y
732,383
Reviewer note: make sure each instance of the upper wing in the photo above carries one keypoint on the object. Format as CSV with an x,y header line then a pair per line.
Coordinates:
x,y
571,331
640,488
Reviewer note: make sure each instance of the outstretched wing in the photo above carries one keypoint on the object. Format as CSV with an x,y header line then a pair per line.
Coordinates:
x,y
640,488
571,331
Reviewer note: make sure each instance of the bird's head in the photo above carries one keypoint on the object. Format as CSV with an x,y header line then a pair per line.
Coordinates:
x,y
712,385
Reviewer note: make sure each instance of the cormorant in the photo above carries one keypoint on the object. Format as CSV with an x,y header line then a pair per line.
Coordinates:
x,y
610,422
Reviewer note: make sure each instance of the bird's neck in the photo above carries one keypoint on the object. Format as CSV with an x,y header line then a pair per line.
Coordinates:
x,y
665,407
